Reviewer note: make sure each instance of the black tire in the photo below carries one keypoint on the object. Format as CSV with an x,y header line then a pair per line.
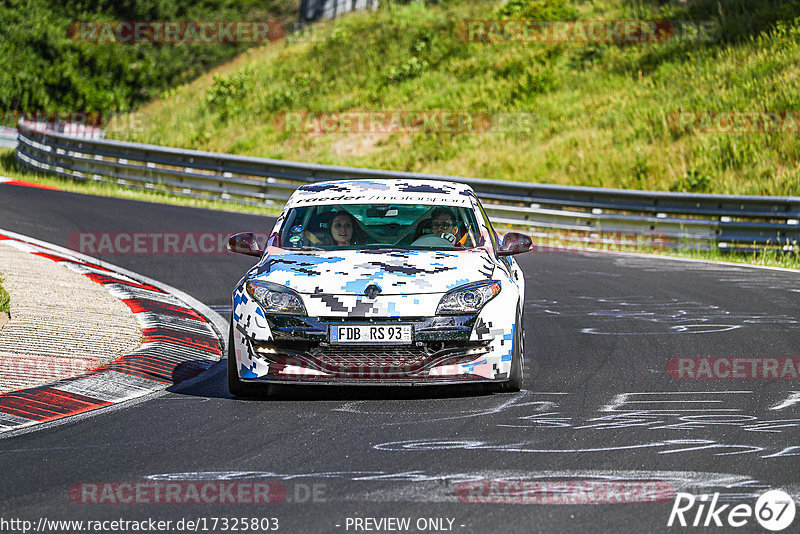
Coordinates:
x,y
235,384
516,375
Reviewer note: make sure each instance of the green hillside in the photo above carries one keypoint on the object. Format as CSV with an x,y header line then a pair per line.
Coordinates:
x,y
43,70
604,113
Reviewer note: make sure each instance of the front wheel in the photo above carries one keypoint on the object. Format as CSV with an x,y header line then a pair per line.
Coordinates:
x,y
235,384
515,377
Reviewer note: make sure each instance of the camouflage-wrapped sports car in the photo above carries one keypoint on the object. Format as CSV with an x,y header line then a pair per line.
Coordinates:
x,y
379,282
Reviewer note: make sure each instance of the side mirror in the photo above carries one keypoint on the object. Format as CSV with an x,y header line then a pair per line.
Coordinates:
x,y
244,243
515,243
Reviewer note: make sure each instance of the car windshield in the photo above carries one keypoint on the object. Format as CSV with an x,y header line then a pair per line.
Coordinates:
x,y
390,226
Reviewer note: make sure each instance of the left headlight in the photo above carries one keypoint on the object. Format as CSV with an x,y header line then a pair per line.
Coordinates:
x,y
469,298
275,298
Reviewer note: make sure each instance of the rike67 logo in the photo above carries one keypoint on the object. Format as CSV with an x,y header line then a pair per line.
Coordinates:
x,y
774,510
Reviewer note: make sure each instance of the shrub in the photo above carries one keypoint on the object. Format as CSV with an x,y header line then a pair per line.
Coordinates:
x,y
692,181
227,94
539,10
410,68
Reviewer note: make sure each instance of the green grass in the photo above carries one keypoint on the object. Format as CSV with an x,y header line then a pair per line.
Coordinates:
x,y
5,301
603,112
768,258
9,168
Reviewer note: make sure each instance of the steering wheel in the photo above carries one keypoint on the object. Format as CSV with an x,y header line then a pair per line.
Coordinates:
x,y
433,240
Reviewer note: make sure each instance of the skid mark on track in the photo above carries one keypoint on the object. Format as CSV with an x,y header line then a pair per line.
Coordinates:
x,y
624,401
682,422
362,408
669,446
443,487
653,316
679,329
594,273
791,400
741,277
678,412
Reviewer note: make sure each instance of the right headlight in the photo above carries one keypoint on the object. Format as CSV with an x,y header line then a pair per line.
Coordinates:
x,y
469,298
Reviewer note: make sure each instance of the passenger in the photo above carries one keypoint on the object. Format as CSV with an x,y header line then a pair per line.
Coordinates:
x,y
341,229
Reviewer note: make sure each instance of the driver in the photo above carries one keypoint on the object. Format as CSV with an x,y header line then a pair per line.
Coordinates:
x,y
443,221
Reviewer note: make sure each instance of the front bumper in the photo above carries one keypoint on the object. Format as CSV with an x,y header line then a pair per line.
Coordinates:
x,y
297,350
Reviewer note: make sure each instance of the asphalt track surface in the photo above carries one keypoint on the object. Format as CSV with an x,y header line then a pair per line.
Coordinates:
x,y
597,404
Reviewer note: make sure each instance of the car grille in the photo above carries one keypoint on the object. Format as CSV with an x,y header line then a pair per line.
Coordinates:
x,y
392,360
369,361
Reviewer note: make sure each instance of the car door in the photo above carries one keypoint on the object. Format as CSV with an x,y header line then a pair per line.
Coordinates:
x,y
507,263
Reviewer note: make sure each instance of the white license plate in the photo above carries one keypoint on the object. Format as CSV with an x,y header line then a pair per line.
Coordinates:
x,y
371,333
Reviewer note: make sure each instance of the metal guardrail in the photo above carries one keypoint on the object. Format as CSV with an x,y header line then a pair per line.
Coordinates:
x,y
312,10
702,220
8,137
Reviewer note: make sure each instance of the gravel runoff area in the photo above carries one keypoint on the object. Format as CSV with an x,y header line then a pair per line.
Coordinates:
x,y
61,323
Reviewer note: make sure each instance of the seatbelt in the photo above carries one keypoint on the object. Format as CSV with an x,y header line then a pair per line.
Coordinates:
x,y
311,237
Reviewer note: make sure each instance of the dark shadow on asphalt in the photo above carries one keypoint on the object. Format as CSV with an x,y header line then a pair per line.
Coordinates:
x,y
213,384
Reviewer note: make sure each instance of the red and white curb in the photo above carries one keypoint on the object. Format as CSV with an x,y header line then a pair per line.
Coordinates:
x,y
182,338
12,181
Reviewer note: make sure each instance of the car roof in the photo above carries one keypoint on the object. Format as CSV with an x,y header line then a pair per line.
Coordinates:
x,y
383,191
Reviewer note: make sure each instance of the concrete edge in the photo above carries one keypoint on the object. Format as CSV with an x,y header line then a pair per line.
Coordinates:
x,y
183,340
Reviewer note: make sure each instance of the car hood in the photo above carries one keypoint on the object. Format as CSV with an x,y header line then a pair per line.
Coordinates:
x,y
395,272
